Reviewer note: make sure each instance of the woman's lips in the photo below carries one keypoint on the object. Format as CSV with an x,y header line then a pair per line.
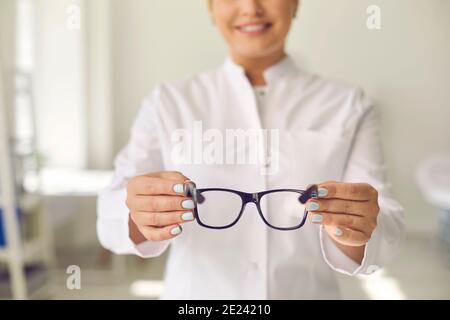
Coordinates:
x,y
254,29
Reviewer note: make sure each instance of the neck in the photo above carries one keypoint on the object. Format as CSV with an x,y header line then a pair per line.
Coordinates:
x,y
255,67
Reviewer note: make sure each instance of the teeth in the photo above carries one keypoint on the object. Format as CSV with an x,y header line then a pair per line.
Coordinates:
x,y
253,28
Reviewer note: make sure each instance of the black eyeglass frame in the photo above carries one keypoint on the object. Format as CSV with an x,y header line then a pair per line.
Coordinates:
x,y
191,190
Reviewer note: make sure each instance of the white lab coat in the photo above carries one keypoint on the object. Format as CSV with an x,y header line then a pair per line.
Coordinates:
x,y
328,131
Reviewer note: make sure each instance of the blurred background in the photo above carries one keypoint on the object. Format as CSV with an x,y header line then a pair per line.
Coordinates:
x,y
73,75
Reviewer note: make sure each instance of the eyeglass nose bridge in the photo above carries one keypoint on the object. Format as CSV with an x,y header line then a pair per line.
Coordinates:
x,y
249,197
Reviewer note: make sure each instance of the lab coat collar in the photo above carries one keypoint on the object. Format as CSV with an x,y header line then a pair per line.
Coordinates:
x,y
275,72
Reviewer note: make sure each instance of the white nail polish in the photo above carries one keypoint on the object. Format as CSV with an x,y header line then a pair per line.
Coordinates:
x,y
175,231
322,192
188,204
187,216
178,188
311,206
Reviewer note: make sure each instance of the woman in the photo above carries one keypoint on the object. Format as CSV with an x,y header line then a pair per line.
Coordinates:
x,y
327,133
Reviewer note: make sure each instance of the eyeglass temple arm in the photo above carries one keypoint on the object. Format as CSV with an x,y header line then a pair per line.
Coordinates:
x,y
190,190
311,192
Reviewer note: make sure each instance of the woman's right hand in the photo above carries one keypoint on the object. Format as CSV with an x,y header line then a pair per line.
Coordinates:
x,y
157,206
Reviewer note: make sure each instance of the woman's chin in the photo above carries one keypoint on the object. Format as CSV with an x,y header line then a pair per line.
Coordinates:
x,y
255,52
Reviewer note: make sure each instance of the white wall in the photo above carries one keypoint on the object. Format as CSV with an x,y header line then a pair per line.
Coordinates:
x,y
98,84
59,84
153,41
7,52
405,66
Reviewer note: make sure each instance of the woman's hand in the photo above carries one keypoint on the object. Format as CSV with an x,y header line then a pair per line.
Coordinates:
x,y
348,212
157,206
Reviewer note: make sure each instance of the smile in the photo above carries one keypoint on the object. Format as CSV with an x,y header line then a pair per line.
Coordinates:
x,y
254,29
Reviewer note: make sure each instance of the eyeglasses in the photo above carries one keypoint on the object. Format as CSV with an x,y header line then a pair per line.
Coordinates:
x,y
286,206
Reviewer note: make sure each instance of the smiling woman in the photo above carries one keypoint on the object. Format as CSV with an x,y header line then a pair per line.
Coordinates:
x,y
329,136
255,31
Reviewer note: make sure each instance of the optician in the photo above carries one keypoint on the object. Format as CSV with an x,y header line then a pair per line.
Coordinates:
x,y
329,135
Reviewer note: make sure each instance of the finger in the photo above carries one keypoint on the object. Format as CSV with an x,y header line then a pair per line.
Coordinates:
x,y
343,220
146,185
161,203
360,208
171,175
346,191
347,236
162,219
160,234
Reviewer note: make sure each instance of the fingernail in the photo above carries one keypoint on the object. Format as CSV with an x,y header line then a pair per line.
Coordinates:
x,y
317,218
311,206
322,192
338,232
175,231
178,188
187,216
188,204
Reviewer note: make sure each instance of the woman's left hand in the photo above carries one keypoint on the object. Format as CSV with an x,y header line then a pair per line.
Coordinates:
x,y
348,211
